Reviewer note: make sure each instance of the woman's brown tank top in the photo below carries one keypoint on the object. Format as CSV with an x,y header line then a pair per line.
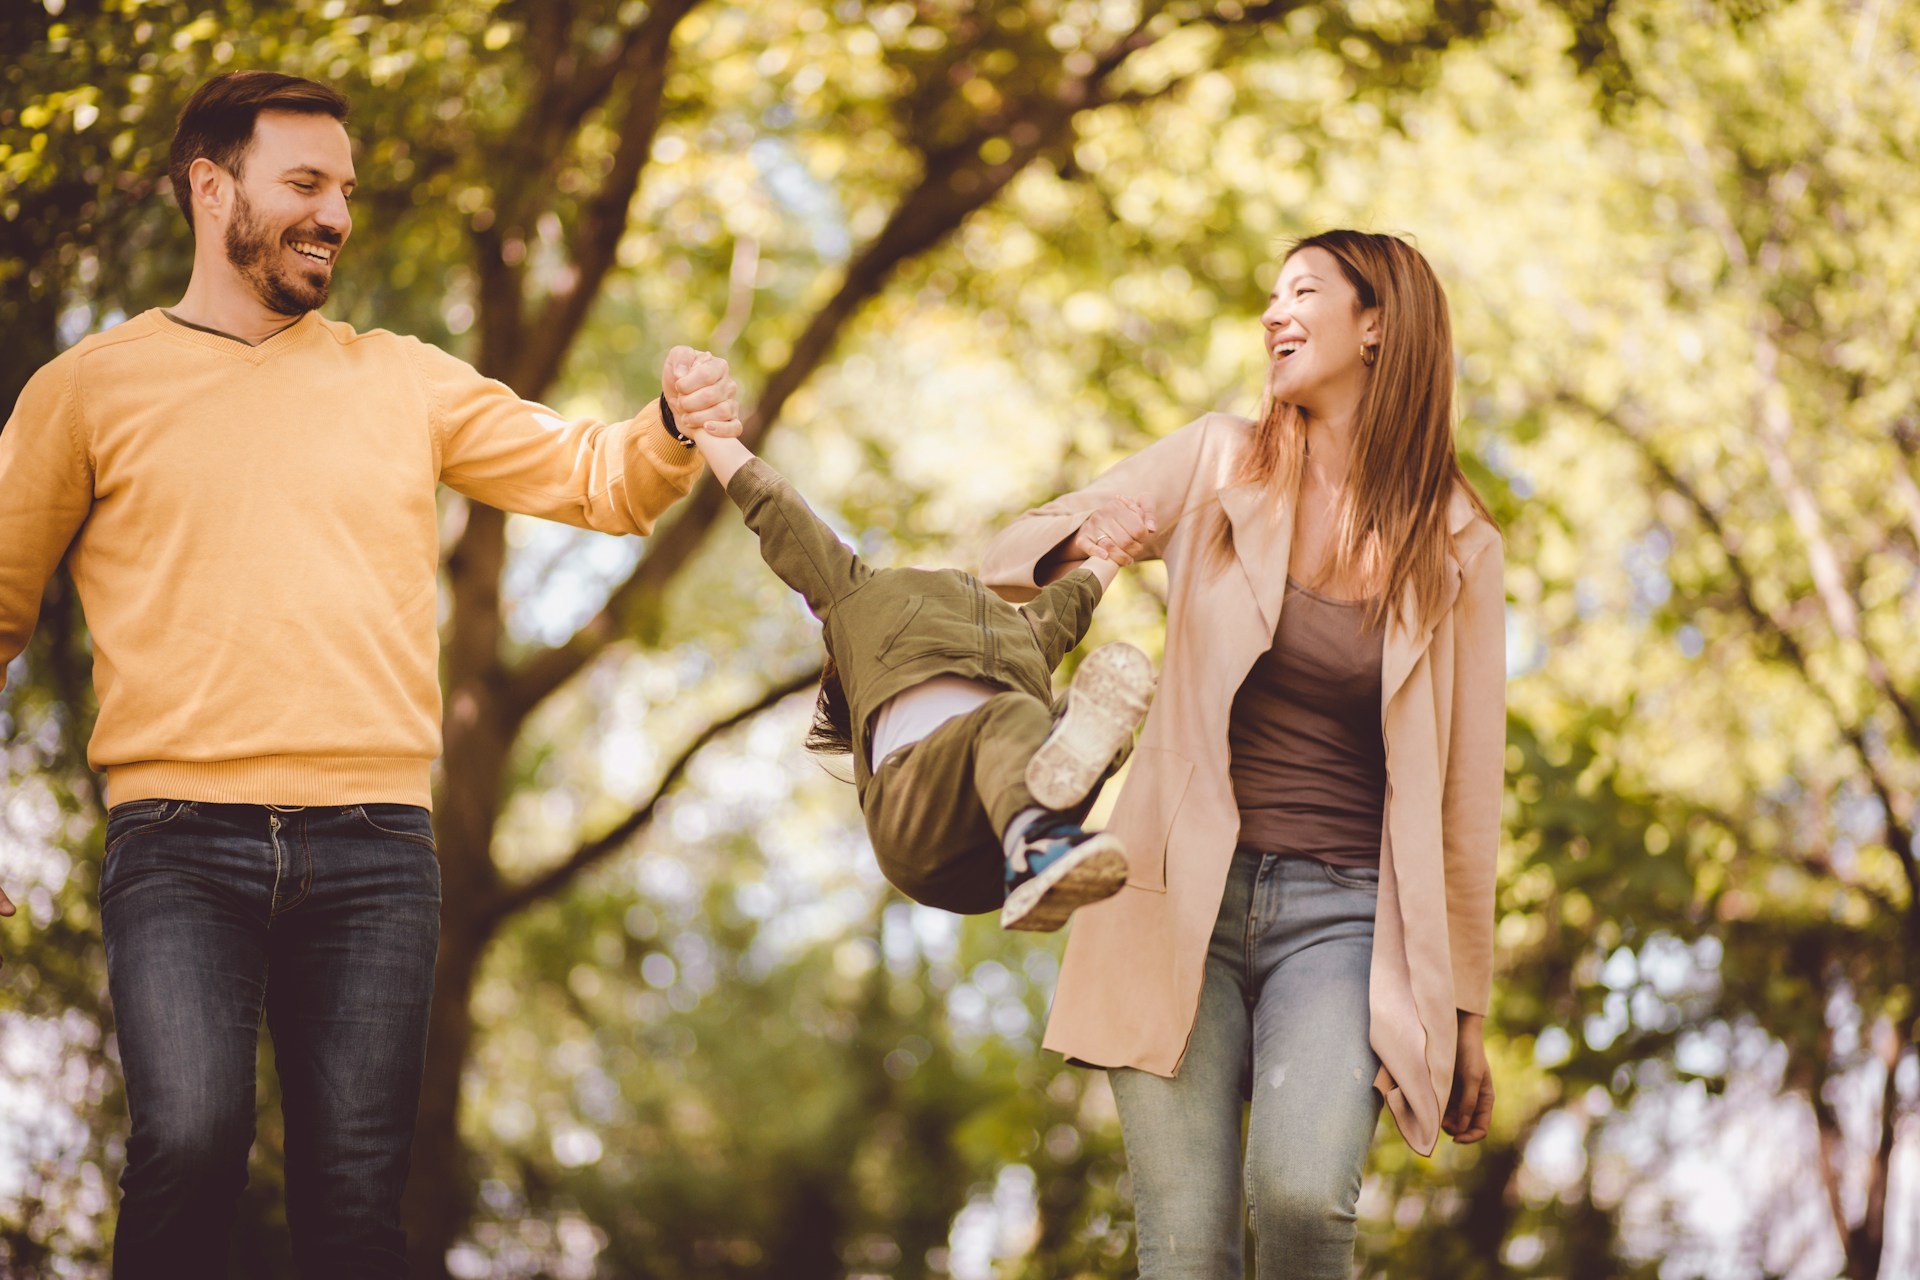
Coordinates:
x,y
1309,763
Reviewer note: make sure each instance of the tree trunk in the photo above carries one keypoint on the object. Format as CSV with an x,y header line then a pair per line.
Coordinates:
x,y
479,739
439,1192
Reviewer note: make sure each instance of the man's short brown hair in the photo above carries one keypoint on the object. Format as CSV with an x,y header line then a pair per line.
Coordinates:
x,y
217,122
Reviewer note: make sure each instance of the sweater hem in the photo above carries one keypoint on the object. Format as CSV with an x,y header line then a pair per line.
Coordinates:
x,y
283,780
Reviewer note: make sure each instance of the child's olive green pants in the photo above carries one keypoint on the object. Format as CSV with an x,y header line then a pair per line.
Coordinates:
x,y
935,808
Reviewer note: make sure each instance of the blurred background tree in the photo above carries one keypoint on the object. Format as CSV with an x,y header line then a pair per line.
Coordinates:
x,y
963,253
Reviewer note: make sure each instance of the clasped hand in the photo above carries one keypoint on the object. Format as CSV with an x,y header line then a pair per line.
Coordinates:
x,y
1118,531
701,392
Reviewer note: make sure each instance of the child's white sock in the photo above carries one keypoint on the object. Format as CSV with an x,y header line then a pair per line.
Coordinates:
x,y
1017,829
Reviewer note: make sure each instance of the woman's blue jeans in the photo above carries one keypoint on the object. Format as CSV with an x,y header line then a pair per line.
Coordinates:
x,y
1282,1021
326,920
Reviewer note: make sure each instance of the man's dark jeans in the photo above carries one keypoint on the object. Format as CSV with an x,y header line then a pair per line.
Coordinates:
x,y
326,918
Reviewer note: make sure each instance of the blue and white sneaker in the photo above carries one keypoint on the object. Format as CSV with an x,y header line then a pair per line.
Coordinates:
x,y
1105,704
1057,868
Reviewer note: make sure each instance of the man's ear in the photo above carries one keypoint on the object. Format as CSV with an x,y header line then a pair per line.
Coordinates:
x,y
211,188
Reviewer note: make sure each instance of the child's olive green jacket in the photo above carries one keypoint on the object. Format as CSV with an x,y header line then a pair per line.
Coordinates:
x,y
890,629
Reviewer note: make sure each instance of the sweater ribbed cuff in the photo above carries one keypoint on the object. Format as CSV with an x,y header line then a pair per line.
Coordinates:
x,y
673,428
677,464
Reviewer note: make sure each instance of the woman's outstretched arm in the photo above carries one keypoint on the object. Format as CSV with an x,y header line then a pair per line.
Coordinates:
x,y
1125,515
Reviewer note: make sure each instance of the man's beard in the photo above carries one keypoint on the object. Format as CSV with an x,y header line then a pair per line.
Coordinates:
x,y
254,252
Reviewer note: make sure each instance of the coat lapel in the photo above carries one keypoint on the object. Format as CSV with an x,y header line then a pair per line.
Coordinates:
x,y
1405,643
1262,543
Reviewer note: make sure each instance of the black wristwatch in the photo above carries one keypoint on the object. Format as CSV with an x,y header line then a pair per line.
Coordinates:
x,y
673,429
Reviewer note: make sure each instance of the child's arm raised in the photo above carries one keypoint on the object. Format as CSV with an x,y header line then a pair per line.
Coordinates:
x,y
1063,610
724,456
796,544
1105,570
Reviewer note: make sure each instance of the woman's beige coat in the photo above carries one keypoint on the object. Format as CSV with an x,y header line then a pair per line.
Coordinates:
x,y
1131,982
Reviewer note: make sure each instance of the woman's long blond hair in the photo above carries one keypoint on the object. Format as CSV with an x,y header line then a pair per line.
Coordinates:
x,y
1391,523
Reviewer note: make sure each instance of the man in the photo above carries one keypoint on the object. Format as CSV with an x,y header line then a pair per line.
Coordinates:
x,y
248,491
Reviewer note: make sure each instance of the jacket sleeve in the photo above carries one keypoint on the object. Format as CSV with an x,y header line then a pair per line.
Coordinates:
x,y
1476,773
796,544
1162,475
521,456
46,490
1062,612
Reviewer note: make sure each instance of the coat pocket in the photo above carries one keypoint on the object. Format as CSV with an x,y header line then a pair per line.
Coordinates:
x,y
1144,816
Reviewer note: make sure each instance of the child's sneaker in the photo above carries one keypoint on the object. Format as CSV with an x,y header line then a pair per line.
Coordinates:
x,y
1105,704
1055,868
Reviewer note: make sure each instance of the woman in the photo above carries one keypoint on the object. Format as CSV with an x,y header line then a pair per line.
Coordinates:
x,y
1313,810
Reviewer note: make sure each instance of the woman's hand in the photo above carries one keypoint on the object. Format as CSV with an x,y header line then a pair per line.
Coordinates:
x,y
1117,531
1470,1108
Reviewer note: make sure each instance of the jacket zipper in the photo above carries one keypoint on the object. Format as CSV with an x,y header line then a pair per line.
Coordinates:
x,y
986,632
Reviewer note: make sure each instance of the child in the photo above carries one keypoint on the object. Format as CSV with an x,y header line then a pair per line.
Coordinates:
x,y
942,691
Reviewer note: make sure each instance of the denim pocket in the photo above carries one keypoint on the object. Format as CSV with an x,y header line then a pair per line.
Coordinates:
x,y
401,821
136,817
1367,878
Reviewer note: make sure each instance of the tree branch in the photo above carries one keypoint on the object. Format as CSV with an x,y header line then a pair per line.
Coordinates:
x,y
593,85
1832,1143
594,244
1870,1236
534,146
1728,540
955,183
1895,818
530,149
740,278
69,679
1774,415
514,898
1906,437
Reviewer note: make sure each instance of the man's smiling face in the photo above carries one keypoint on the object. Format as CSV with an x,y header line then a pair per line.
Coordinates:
x,y
290,217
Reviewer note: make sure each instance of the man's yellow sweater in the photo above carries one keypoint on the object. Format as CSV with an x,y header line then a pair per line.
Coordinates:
x,y
256,549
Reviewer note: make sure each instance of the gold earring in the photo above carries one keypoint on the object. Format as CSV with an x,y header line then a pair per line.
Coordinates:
x,y
1368,355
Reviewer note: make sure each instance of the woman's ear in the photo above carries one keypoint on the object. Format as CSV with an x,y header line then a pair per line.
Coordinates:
x,y
1370,326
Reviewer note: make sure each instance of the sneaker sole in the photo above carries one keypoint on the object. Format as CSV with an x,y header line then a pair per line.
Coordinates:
x,y
1105,704
1092,872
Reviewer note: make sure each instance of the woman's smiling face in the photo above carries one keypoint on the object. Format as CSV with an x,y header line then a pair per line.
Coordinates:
x,y
1316,328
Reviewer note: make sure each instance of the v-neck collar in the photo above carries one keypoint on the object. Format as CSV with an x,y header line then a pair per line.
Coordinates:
x,y
216,340
1263,544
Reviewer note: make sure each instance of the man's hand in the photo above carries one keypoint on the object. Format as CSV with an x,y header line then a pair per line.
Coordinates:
x,y
1470,1108
701,393
1117,531
6,909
